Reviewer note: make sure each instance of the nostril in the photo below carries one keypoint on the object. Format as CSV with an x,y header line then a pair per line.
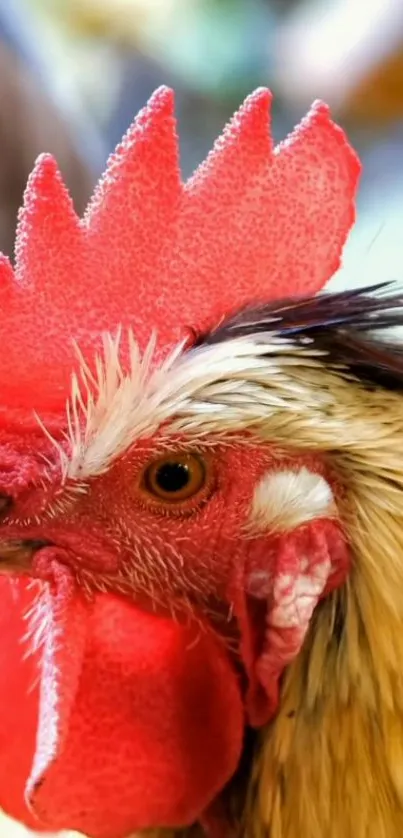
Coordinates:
x,y
6,503
36,543
17,555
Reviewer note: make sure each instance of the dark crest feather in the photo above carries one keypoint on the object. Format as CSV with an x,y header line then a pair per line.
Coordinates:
x,y
344,325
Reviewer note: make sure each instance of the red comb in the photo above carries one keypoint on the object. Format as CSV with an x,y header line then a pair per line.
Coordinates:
x,y
151,253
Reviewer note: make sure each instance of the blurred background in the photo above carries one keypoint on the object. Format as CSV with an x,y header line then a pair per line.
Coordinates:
x,y
73,73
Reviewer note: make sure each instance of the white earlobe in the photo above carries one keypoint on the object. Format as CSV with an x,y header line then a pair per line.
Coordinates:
x,y
285,499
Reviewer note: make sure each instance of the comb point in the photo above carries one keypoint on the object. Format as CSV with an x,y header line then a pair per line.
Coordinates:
x,y
244,145
145,159
47,239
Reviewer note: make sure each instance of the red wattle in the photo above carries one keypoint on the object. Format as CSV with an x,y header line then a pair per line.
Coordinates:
x,y
19,681
154,727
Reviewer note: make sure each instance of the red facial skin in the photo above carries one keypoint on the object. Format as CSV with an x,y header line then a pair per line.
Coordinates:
x,y
121,666
116,535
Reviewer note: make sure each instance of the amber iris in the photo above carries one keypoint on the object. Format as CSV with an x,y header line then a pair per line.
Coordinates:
x,y
175,478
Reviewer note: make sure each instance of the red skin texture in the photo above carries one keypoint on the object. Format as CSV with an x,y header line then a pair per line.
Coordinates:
x,y
121,743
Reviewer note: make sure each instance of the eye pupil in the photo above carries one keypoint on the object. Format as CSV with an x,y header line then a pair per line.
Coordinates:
x,y
172,477
175,478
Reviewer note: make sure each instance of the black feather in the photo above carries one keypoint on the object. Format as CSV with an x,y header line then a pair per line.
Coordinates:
x,y
343,325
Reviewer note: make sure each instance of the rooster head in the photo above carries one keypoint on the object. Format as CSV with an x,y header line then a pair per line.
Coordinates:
x,y
197,455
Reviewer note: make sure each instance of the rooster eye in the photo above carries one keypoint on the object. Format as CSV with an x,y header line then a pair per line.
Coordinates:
x,y
175,478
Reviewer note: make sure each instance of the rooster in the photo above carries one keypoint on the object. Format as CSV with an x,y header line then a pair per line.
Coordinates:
x,y
201,527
